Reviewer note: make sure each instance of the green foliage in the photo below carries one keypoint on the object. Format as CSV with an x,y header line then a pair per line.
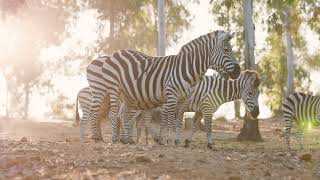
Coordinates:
x,y
135,23
274,60
228,14
274,64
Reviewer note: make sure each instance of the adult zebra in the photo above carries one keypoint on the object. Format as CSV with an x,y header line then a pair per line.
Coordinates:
x,y
145,82
84,99
302,108
214,91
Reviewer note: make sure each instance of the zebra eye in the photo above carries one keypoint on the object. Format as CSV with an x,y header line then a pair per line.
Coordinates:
x,y
250,93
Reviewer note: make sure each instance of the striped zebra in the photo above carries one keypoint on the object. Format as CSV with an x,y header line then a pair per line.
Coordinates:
x,y
302,108
84,99
214,91
145,82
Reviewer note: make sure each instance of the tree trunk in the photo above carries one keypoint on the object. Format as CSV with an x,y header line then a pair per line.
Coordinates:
x,y
290,84
111,33
237,109
250,130
161,47
26,101
161,28
7,95
248,35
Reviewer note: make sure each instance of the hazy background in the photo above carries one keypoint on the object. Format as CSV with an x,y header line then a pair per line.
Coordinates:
x,y
46,44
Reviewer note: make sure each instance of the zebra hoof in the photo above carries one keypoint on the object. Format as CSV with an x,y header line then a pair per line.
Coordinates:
x,y
160,142
131,141
97,139
177,142
170,141
187,143
209,145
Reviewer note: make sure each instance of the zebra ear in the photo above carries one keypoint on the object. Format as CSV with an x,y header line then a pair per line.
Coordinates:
x,y
232,35
223,36
263,78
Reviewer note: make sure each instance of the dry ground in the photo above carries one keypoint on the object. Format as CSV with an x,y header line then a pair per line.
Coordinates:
x,y
41,150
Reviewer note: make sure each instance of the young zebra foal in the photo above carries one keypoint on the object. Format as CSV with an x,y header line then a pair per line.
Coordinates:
x,y
84,99
302,108
214,91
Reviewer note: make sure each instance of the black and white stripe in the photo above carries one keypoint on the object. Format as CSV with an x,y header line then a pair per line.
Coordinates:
x,y
302,108
84,99
145,82
213,91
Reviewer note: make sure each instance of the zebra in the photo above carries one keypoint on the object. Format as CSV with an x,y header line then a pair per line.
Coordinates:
x,y
84,99
302,108
214,91
145,82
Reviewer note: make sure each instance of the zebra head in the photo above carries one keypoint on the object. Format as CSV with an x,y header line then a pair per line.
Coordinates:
x,y
249,85
222,57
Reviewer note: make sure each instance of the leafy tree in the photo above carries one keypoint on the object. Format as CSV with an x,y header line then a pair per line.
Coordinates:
x,y
277,61
33,26
133,24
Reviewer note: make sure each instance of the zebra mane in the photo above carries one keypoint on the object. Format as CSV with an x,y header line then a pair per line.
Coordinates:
x,y
206,36
257,80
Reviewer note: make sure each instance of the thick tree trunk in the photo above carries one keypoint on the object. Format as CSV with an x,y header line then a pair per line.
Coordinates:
x,y
290,83
26,102
250,130
248,35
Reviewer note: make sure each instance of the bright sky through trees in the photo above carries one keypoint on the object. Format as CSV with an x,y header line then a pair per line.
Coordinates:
x,y
83,36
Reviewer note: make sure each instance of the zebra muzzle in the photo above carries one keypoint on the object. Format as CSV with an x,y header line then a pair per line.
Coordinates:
x,y
236,72
255,112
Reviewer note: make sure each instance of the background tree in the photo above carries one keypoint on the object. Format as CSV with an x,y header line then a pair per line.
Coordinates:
x,y
32,26
277,60
250,129
227,14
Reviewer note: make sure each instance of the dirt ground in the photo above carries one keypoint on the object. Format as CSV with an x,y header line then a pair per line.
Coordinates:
x,y
42,150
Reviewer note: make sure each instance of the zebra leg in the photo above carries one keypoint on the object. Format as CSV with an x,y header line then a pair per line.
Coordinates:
x,y
139,122
208,126
287,133
119,129
163,124
147,139
147,121
172,114
84,126
179,125
127,126
95,117
113,116
193,130
171,109
299,134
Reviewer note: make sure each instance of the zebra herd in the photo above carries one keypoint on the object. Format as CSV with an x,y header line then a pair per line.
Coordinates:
x,y
126,85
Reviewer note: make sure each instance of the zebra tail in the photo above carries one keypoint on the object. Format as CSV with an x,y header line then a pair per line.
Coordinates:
x,y
77,120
